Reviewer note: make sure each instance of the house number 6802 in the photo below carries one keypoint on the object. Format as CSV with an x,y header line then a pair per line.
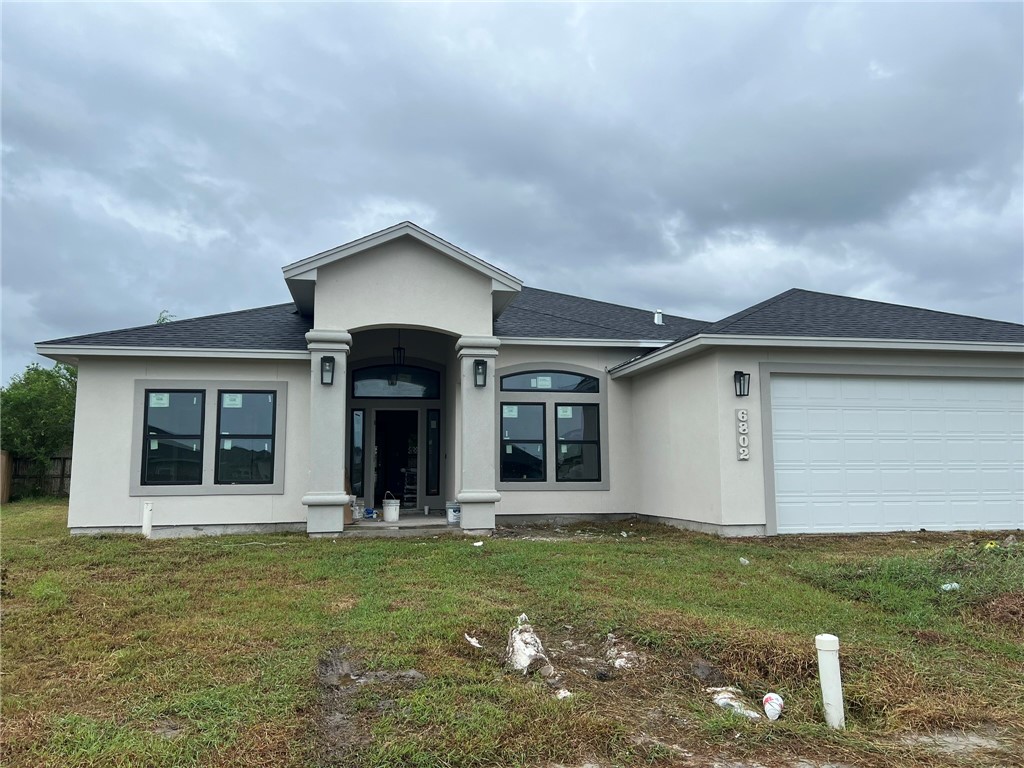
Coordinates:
x,y
742,435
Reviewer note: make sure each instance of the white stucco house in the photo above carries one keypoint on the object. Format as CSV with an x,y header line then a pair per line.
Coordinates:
x,y
404,364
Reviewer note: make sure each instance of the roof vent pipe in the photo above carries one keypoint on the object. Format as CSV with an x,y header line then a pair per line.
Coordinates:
x,y
658,319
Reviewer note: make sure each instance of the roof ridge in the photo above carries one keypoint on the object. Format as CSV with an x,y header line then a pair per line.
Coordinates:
x,y
905,306
610,304
725,322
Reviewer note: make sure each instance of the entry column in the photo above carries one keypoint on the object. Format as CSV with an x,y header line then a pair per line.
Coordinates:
x,y
477,495
328,402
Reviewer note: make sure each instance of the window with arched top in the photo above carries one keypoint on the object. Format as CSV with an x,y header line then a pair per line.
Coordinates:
x,y
408,382
550,381
552,426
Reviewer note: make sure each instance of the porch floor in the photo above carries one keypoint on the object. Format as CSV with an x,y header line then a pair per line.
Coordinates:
x,y
410,523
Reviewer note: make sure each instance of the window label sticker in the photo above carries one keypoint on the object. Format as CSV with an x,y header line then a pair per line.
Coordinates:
x,y
543,382
510,411
508,449
159,399
231,400
226,445
154,445
565,411
565,448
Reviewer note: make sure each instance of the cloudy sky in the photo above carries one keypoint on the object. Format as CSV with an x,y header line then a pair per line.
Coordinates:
x,y
693,157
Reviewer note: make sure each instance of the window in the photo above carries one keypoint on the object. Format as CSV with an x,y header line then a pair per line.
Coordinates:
x,y
396,381
554,430
203,437
433,452
578,435
355,452
549,381
245,437
173,437
522,443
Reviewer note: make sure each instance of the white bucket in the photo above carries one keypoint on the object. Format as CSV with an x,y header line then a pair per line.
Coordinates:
x,y
454,511
390,510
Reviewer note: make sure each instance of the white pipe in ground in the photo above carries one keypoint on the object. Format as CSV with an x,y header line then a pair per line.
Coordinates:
x,y
831,682
147,519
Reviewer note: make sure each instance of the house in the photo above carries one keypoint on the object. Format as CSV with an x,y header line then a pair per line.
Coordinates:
x,y
406,366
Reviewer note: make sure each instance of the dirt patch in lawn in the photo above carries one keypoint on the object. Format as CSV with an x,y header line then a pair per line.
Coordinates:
x,y
1006,610
352,698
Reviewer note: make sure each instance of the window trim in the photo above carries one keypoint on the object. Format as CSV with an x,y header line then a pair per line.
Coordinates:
x,y
146,437
502,442
208,487
220,436
550,398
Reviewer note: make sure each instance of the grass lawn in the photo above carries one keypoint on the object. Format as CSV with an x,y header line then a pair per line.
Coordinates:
x,y
118,651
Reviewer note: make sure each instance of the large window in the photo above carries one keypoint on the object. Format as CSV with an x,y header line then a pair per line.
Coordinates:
x,y
578,437
522,443
553,429
208,437
173,437
356,470
245,435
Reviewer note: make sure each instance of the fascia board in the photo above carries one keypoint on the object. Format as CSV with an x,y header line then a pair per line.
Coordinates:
x,y
527,341
63,351
299,268
700,342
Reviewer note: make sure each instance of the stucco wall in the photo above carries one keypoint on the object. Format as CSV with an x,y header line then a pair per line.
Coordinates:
x,y
105,424
622,493
404,283
676,433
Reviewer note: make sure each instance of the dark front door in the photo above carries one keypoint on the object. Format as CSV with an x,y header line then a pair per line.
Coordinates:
x,y
395,467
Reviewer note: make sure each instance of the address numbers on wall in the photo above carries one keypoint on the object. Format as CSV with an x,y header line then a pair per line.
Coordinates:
x,y
742,435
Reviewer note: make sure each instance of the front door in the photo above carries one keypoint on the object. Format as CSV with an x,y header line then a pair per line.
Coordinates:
x,y
396,457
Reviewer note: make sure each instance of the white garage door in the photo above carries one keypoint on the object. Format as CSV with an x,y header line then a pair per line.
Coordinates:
x,y
858,453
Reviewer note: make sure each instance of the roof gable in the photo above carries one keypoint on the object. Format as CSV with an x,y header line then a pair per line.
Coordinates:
x,y
301,275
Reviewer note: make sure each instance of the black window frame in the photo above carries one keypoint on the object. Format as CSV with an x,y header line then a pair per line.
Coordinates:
x,y
584,377
433,459
543,443
398,369
358,492
219,436
147,438
561,441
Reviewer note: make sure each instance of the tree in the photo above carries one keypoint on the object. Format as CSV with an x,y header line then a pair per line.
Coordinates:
x,y
165,316
37,412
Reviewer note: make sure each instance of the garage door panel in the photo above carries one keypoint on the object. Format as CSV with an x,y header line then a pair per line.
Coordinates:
x,y
860,453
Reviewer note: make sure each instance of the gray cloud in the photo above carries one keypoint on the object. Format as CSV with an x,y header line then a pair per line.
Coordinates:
x,y
698,158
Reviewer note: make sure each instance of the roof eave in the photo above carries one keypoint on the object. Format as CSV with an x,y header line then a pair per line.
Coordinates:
x,y
701,342
70,353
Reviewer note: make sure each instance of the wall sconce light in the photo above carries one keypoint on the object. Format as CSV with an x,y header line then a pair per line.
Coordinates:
x,y
480,373
327,370
398,352
741,381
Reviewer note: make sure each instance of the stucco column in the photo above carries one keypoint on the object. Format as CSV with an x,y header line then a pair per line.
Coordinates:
x,y
477,495
328,404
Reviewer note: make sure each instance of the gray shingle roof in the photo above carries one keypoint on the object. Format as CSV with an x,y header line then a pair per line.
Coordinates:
x,y
277,327
807,313
534,313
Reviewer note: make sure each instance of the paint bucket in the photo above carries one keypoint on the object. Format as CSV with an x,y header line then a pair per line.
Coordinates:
x,y
390,508
454,511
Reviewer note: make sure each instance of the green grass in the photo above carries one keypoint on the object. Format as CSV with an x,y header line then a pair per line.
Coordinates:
x,y
108,640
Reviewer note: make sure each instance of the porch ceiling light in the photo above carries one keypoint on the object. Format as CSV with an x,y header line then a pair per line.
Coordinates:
x,y
741,381
327,370
480,373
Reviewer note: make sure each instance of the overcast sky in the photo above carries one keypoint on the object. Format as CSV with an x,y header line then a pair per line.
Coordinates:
x,y
695,158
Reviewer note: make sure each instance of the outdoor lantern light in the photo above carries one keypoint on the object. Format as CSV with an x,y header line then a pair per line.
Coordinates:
x,y
742,382
480,373
398,353
327,370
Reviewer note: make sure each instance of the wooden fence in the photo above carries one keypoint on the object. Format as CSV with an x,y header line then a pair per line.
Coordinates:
x,y
28,480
